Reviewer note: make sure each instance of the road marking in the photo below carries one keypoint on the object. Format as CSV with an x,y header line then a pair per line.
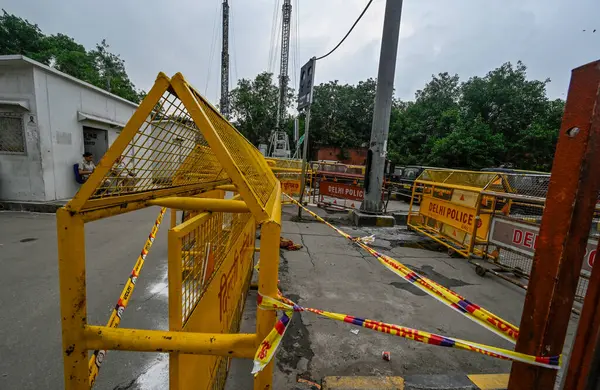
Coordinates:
x,y
490,381
363,383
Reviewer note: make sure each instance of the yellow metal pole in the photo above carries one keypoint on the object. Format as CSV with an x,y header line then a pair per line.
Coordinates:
x,y
239,345
183,91
175,303
173,214
412,199
475,227
71,274
114,321
227,187
268,275
204,204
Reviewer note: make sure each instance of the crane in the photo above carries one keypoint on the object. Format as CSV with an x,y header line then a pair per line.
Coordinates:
x,y
279,145
224,103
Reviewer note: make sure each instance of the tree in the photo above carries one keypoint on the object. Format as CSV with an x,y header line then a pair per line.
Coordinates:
x,y
98,67
70,57
253,105
342,115
112,74
501,118
468,145
19,36
416,126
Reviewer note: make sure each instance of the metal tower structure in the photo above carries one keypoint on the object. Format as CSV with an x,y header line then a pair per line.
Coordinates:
x,y
285,54
279,143
224,103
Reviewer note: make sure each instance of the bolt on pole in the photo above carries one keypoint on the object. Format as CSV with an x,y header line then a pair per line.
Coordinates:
x,y
383,108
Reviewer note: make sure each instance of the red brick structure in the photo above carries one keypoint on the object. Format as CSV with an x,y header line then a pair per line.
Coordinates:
x,y
351,156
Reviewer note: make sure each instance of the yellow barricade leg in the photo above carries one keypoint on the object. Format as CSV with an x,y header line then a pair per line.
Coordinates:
x,y
71,268
267,286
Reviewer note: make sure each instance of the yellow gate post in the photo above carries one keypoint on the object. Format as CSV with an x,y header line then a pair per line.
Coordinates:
x,y
73,310
268,275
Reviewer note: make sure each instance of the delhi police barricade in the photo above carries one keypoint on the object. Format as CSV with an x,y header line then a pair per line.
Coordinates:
x,y
503,211
184,156
516,222
289,173
337,186
452,209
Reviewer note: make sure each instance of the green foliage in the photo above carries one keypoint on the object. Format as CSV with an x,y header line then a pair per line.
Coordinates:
x,y
341,115
98,67
253,105
502,118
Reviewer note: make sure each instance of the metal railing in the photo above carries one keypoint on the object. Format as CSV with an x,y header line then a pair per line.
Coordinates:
x,y
178,152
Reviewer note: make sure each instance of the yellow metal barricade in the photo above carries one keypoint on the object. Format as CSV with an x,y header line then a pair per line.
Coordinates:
x,y
452,209
211,258
178,152
289,173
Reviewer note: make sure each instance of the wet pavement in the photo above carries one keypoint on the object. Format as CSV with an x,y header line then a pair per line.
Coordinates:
x,y
328,273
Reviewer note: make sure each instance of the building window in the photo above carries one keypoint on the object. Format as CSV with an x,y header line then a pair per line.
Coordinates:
x,y
12,137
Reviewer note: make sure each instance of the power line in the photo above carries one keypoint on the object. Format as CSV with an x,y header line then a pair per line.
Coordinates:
x,y
295,43
213,47
349,31
234,51
273,42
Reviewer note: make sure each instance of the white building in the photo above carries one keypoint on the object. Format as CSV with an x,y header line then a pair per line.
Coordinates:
x,y
48,119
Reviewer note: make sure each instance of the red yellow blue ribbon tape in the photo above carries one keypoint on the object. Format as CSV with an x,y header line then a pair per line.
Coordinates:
x,y
474,312
268,347
115,317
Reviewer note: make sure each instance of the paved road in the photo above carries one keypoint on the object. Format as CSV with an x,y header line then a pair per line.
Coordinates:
x,y
30,336
328,273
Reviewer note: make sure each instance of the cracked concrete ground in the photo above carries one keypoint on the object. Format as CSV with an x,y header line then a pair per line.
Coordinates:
x,y
333,274
327,273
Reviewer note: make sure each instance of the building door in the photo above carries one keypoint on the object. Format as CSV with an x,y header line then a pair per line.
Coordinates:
x,y
95,141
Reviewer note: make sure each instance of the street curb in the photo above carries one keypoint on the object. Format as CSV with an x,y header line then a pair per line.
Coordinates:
x,y
361,219
418,382
30,207
401,218
439,382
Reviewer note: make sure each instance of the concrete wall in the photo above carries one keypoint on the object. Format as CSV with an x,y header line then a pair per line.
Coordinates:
x,y
61,133
21,175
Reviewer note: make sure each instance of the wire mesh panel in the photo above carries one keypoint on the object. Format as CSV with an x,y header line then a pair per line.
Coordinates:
x,y
519,201
288,163
247,158
12,138
168,151
177,144
203,252
215,260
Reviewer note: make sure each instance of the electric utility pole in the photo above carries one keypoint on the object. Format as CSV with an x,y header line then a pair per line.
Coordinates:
x,y
383,107
224,103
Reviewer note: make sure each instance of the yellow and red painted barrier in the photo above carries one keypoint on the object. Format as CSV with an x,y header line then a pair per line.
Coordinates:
x,y
115,317
269,345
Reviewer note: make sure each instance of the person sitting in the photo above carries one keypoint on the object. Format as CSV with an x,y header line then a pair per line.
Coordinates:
x,y
123,179
86,166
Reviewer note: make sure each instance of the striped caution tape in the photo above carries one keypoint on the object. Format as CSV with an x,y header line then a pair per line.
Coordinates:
x,y
115,317
474,312
268,347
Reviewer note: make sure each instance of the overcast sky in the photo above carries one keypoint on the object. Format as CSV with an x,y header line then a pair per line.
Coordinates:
x,y
468,37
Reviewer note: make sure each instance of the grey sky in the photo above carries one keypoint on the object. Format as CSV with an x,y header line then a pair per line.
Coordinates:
x,y
468,37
